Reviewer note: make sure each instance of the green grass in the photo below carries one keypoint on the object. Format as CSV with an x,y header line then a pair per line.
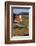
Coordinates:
x,y
21,31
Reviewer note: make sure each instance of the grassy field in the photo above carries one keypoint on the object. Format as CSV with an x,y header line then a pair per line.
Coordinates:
x,y
22,31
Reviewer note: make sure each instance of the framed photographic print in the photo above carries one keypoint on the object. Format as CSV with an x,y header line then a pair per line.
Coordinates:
x,y
19,22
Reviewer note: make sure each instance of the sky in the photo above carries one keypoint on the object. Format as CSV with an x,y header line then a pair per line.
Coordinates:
x,y
21,10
